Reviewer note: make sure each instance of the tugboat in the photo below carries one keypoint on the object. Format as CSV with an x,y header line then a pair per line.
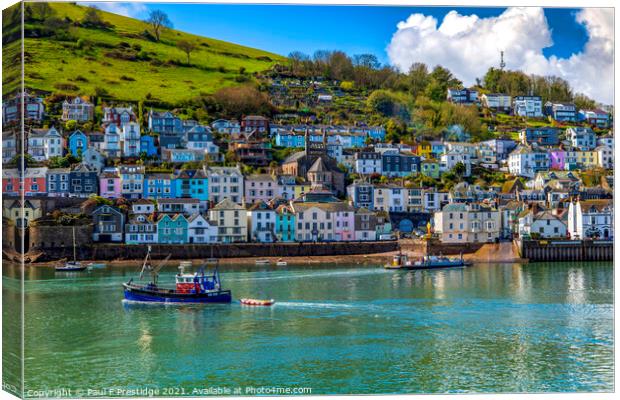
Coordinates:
x,y
190,288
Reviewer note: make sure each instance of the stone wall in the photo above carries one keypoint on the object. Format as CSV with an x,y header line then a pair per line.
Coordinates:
x,y
44,239
58,240
436,247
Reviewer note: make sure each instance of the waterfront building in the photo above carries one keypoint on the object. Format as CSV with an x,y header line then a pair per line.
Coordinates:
x,y
231,219
108,224
172,229
141,229
605,157
285,224
201,230
541,224
591,219
317,221
261,222
467,223
365,225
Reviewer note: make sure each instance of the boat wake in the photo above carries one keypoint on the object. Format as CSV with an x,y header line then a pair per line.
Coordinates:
x,y
313,305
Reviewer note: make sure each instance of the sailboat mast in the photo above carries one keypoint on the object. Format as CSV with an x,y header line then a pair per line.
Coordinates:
x,y
74,251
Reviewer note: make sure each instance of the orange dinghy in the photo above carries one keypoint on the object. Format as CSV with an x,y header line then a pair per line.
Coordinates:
x,y
256,302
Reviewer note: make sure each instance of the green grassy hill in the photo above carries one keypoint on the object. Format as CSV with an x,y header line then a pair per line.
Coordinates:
x,y
125,62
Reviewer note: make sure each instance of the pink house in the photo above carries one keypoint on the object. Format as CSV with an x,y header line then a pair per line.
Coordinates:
x,y
344,223
110,185
558,159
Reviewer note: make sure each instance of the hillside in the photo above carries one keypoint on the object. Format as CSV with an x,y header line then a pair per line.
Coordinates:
x,y
124,62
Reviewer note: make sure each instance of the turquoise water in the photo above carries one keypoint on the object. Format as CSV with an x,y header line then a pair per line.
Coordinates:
x,y
487,328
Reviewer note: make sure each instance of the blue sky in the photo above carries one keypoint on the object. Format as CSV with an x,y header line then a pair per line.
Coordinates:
x,y
354,29
575,44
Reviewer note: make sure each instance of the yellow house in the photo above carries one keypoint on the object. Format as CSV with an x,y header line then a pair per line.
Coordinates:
x,y
301,189
425,149
587,159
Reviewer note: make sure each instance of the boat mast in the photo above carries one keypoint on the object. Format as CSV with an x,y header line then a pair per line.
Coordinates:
x,y
74,251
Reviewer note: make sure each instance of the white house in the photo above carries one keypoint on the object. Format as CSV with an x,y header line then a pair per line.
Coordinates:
x,y
130,139
43,144
528,106
187,206
112,142
261,222
526,161
582,138
591,218
232,222
201,230
467,223
225,182
605,157
451,159
368,162
543,224
143,206
140,229
497,101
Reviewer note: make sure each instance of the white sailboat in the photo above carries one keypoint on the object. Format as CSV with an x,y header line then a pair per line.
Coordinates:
x,y
74,265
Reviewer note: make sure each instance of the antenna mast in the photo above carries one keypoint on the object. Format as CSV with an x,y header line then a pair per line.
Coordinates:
x,y
502,64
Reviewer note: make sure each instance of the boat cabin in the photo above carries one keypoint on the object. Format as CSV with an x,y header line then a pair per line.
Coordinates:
x,y
195,283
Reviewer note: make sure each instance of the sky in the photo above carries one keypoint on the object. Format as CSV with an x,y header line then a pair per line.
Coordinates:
x,y
572,43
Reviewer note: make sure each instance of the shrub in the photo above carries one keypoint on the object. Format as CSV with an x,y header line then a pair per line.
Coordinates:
x,y
66,86
127,78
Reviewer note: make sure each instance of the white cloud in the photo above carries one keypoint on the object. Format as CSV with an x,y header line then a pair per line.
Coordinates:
x,y
133,10
469,45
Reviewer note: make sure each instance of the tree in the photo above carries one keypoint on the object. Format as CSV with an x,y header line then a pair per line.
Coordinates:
x,y
92,17
42,10
187,47
70,125
459,170
418,79
158,20
440,80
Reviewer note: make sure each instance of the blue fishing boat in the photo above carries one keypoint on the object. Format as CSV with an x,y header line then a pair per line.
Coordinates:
x,y
198,287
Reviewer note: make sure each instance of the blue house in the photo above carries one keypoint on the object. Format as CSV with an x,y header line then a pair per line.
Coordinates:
x,y
147,145
164,122
78,143
565,112
159,185
192,183
285,224
172,229
543,136
395,163
83,181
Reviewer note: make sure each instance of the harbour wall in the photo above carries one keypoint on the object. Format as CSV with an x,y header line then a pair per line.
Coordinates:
x,y
52,243
566,250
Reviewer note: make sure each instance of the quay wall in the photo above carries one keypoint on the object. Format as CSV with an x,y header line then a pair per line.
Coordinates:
x,y
120,251
567,250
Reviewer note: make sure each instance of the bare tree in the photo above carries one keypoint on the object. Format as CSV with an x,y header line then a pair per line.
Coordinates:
x,y
158,20
187,47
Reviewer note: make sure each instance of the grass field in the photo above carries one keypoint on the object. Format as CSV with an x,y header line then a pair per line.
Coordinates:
x,y
79,68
